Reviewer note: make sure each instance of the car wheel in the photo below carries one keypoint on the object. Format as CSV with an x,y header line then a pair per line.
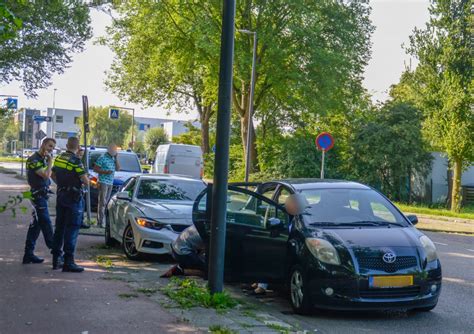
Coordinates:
x,y
128,244
299,291
425,309
109,241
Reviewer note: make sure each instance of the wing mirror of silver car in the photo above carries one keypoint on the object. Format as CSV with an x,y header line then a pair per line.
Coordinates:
x,y
123,195
413,219
274,222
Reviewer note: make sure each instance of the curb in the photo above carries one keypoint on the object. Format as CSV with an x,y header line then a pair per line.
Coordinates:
x,y
445,231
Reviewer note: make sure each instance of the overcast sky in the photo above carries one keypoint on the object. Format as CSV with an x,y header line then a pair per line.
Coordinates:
x,y
394,21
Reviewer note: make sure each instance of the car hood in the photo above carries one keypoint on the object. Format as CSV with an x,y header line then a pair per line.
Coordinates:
x,y
371,237
157,209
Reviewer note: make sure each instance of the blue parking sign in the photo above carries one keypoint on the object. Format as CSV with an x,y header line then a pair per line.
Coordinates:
x,y
113,113
12,103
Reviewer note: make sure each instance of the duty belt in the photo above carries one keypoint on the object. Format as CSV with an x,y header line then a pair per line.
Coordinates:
x,y
70,189
41,192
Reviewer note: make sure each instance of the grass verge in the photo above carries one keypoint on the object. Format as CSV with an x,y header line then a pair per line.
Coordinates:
x,y
188,293
465,213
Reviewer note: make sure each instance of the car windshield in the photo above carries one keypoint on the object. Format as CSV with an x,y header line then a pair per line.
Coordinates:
x,y
128,162
349,207
166,189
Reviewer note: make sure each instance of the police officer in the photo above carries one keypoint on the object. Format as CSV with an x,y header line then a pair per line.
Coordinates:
x,y
38,174
70,176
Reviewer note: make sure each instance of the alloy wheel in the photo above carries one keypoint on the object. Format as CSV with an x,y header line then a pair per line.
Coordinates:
x,y
129,242
296,286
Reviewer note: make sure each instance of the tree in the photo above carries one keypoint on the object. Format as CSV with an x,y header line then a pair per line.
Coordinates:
x,y
154,138
442,84
51,31
104,130
309,61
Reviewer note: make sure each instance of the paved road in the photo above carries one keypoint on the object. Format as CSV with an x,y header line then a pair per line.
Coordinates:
x,y
36,299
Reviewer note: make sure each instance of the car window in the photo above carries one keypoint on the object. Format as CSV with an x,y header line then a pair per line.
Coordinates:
x,y
268,193
282,196
168,189
129,185
129,163
349,206
93,156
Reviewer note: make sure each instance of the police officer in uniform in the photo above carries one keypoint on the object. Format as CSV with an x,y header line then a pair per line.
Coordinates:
x,y
38,174
70,176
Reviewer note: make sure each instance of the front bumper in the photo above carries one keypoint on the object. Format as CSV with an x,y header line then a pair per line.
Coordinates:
x,y
153,241
352,292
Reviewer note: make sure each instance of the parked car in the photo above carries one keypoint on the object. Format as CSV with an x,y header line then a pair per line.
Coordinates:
x,y
351,249
129,166
148,214
179,159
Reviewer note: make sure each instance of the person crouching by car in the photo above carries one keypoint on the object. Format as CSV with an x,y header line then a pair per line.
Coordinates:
x,y
105,166
188,251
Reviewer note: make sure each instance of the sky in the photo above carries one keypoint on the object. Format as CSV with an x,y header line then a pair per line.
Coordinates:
x,y
394,21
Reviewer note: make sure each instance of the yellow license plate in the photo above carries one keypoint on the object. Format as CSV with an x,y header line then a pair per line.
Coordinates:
x,y
390,281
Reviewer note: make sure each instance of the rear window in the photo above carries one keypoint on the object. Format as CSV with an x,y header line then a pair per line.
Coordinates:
x,y
128,162
180,190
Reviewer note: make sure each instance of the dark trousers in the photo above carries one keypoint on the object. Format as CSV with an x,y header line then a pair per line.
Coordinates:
x,y
40,223
69,211
190,261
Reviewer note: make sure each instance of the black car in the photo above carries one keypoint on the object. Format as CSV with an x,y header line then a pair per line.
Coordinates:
x,y
351,249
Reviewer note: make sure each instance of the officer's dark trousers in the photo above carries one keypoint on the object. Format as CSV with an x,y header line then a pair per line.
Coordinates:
x,y
69,211
40,223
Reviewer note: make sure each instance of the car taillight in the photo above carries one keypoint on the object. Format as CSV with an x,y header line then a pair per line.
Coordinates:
x,y
202,173
94,181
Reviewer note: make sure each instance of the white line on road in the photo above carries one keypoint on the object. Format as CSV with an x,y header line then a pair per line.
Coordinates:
x,y
440,243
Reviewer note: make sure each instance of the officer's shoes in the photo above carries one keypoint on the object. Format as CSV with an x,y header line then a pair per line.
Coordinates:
x,y
72,268
31,258
58,262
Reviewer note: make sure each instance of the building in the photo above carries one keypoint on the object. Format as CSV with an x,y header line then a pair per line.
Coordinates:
x,y
25,117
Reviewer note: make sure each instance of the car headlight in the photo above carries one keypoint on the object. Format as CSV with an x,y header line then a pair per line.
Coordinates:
x,y
429,247
149,223
323,250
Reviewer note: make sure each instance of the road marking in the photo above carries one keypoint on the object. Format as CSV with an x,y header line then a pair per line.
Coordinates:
x,y
461,255
457,280
471,250
440,243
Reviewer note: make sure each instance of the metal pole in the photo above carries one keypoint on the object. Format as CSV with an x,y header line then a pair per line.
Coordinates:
x,y
54,113
221,165
250,116
322,166
85,127
133,128
24,140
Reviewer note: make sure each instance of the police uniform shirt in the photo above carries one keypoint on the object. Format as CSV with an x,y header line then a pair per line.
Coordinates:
x,y
34,163
68,169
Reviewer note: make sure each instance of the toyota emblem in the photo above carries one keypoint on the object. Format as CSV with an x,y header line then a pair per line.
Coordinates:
x,y
389,257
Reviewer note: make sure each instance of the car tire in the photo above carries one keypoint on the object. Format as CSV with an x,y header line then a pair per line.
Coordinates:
x,y
300,297
425,309
109,240
128,244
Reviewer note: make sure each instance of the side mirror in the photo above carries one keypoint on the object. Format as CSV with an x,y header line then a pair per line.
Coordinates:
x,y
123,195
413,219
274,223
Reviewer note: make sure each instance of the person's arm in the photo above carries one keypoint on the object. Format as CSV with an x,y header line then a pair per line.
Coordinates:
x,y
98,168
53,176
45,173
79,168
84,179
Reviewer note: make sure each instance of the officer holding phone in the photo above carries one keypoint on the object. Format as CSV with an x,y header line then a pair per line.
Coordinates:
x,y
38,167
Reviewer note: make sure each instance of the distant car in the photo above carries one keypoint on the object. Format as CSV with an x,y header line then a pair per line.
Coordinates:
x,y
179,159
149,212
129,166
351,249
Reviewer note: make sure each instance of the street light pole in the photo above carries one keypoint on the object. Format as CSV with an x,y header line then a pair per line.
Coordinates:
x,y
252,93
53,113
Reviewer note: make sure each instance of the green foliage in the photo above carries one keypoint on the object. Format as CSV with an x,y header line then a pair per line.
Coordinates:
x,y
51,31
466,212
191,137
154,138
218,329
13,203
104,130
188,293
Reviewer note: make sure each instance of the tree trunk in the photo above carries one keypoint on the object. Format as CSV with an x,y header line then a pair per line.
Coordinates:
x,y
253,147
456,190
204,133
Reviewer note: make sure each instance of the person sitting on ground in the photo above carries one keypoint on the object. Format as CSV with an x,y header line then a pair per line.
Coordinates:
x,y
188,251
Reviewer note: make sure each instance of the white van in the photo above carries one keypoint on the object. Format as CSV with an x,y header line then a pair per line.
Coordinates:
x,y
179,159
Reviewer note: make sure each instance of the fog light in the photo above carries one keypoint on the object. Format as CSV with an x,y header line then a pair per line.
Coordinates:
x,y
434,288
328,291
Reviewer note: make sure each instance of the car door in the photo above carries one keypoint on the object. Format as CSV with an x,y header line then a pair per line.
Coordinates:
x,y
121,207
255,249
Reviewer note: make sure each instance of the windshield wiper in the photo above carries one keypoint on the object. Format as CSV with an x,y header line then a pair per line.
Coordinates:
x,y
357,223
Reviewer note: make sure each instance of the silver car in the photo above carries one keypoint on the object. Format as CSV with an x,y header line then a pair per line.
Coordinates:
x,y
149,212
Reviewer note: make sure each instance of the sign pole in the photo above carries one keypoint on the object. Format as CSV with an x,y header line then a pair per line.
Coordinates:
x,y
322,166
85,123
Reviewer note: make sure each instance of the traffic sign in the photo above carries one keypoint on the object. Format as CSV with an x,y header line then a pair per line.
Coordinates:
x,y
12,103
114,113
40,135
324,141
39,118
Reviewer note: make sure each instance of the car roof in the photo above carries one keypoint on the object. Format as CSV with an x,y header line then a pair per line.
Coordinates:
x,y
168,176
103,150
302,184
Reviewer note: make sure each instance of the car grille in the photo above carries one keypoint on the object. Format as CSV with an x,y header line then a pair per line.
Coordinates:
x,y
178,228
377,263
411,291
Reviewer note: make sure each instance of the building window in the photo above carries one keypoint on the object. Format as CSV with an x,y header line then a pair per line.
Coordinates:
x,y
162,125
76,120
59,118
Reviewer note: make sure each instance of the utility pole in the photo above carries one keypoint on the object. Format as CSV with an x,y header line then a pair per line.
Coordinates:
x,y
53,113
248,163
221,165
